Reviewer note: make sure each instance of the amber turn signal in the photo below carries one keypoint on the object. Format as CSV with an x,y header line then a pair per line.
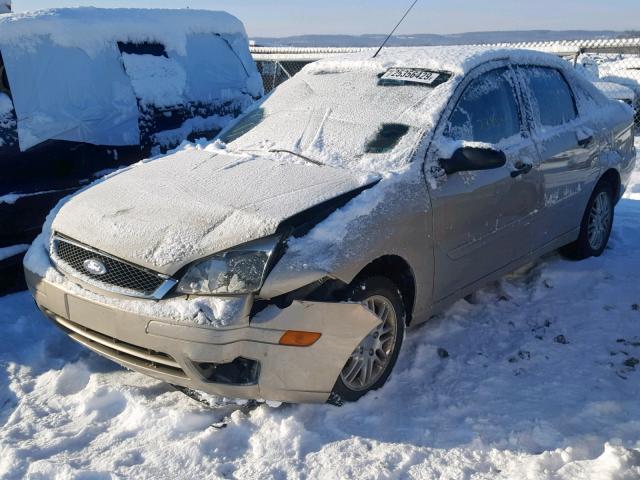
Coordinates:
x,y
299,339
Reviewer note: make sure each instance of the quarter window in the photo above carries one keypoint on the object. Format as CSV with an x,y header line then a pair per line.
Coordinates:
x,y
551,97
487,111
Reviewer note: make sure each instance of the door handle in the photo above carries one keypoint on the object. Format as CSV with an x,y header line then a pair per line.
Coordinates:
x,y
521,168
584,142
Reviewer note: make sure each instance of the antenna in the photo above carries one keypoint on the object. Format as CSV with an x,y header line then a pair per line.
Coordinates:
x,y
395,28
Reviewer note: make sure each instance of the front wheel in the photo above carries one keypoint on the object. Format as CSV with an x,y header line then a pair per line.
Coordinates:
x,y
371,362
596,224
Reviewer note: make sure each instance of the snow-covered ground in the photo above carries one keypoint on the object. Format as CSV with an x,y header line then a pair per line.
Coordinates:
x,y
535,377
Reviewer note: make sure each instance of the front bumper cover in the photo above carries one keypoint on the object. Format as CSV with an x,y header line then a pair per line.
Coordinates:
x,y
174,351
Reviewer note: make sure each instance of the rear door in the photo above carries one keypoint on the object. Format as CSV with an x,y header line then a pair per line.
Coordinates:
x,y
483,219
568,149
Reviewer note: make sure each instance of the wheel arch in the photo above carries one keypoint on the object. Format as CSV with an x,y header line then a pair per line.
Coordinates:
x,y
612,176
398,270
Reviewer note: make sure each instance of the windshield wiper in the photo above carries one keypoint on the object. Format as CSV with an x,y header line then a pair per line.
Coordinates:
x,y
310,160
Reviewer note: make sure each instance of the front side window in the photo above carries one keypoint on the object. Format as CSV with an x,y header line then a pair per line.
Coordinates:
x,y
487,111
550,95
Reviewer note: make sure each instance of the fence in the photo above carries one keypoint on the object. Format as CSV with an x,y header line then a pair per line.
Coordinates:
x,y
278,64
614,63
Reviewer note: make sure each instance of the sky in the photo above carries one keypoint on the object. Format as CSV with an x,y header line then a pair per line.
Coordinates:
x,y
292,17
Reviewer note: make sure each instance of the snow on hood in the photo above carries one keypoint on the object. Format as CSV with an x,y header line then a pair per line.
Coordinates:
x,y
166,213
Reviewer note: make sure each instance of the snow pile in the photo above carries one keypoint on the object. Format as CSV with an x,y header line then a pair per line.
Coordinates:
x,y
520,381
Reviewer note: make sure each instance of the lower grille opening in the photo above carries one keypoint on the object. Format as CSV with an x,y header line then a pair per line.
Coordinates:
x,y
241,371
119,350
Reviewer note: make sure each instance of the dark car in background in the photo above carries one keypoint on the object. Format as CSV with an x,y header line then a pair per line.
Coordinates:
x,y
84,91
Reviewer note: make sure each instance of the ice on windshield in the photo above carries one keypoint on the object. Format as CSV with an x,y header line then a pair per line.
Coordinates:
x,y
344,119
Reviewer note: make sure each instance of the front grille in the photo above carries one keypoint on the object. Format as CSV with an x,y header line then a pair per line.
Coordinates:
x,y
127,279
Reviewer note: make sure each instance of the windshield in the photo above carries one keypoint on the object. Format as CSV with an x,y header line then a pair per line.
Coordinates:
x,y
346,119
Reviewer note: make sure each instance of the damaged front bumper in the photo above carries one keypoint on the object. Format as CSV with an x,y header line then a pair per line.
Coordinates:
x,y
244,359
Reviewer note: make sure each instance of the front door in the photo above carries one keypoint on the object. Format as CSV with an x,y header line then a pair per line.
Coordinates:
x,y
484,219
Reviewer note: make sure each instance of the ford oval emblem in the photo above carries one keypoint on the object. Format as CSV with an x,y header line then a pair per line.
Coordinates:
x,y
94,267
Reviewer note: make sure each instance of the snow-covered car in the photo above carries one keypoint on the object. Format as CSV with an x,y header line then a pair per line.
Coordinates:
x,y
625,72
86,90
589,68
616,91
285,260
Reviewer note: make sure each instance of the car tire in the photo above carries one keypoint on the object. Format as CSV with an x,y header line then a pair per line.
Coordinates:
x,y
376,355
596,224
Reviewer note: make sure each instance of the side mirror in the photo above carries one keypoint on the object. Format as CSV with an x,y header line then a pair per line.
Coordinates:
x,y
472,158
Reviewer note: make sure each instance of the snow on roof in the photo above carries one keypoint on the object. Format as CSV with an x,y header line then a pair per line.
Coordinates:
x,y
91,28
455,59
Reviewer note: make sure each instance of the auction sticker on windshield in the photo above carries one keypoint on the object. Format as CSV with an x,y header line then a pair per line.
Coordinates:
x,y
415,75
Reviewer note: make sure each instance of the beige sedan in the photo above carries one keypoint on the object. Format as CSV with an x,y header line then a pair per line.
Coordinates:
x,y
285,260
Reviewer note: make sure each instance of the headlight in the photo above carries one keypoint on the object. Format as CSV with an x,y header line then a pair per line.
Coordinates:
x,y
235,271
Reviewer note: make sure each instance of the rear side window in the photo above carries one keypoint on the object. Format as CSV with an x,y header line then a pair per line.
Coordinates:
x,y
487,111
145,48
551,97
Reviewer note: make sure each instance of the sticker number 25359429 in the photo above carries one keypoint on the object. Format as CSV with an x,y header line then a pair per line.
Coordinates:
x,y
416,75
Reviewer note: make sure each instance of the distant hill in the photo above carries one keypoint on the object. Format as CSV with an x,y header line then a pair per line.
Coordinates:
x,y
421,39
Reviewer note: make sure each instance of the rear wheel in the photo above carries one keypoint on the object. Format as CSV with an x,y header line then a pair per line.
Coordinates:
x,y
371,362
596,224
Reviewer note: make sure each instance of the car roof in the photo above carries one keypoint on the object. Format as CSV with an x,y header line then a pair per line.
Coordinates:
x,y
90,29
458,60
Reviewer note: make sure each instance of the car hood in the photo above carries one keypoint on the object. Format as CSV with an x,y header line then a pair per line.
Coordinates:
x,y
165,213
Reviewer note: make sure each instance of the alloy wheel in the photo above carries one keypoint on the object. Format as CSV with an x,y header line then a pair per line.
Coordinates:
x,y
599,220
372,356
